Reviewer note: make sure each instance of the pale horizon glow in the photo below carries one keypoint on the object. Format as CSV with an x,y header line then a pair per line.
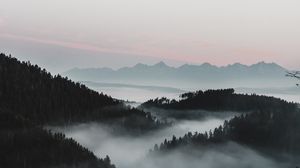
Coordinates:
x,y
60,34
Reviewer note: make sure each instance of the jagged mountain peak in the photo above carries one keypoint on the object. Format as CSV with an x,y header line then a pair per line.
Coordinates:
x,y
160,64
267,66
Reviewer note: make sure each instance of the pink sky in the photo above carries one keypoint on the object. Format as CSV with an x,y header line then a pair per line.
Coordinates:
x,y
188,31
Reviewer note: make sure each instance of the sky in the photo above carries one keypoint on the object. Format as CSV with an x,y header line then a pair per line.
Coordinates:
x,y
62,34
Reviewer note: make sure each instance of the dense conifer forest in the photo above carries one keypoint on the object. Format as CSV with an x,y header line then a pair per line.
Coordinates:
x,y
35,94
273,125
25,145
221,100
31,98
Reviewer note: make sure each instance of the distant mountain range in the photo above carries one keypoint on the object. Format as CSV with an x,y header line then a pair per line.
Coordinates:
x,y
186,76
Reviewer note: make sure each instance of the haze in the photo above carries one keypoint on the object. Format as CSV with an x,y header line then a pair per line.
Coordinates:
x,y
61,34
133,151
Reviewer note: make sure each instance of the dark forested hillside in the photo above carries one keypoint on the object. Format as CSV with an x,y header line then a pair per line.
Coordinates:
x,y
35,94
24,145
221,100
271,126
274,130
31,98
28,90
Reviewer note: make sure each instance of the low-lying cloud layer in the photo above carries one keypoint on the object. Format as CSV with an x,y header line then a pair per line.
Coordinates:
x,y
127,150
226,155
132,151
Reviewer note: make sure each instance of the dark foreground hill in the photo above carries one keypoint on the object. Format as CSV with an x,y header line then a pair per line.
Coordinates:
x,y
35,94
31,98
24,145
271,127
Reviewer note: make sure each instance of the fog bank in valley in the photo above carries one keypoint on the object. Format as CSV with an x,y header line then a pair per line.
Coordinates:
x,y
125,151
220,156
133,151
192,115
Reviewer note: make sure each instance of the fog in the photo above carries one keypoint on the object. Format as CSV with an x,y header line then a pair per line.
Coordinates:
x,y
137,95
140,95
192,115
221,156
127,151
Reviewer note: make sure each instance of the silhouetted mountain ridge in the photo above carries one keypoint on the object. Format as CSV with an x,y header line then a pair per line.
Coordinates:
x,y
188,76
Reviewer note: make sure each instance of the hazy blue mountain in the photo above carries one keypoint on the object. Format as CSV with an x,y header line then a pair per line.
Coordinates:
x,y
205,75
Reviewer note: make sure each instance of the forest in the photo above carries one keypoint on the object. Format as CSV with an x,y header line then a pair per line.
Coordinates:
x,y
271,130
31,98
35,94
23,144
221,100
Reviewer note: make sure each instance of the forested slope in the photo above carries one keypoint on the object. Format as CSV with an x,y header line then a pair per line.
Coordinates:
x,y
220,100
25,145
35,94
273,126
31,98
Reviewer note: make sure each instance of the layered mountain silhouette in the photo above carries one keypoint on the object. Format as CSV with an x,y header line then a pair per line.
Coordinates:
x,y
205,75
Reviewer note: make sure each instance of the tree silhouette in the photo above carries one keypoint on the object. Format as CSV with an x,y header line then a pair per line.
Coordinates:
x,y
294,74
